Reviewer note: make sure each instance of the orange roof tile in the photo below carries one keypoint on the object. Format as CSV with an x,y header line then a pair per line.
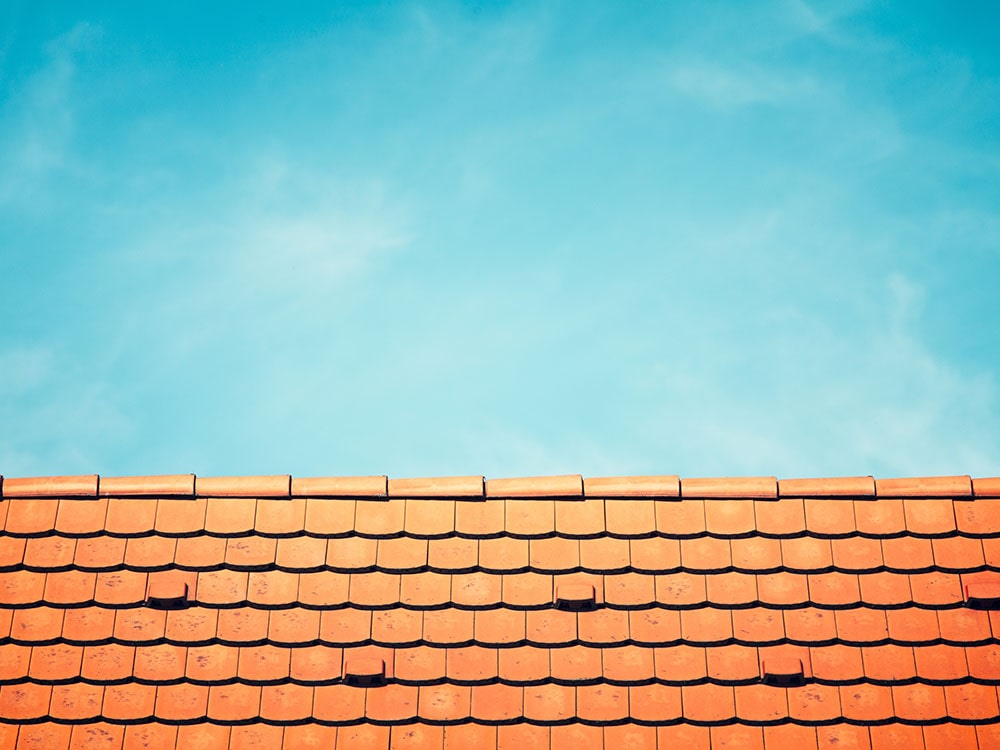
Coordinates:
x,y
452,612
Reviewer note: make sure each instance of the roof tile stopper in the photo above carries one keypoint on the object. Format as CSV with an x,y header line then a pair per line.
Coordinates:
x,y
167,594
364,671
782,671
982,595
576,597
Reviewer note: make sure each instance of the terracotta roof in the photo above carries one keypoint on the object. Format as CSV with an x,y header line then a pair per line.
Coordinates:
x,y
555,612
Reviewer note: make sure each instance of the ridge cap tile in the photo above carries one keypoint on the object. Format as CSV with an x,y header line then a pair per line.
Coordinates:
x,y
918,487
473,486
986,487
340,487
852,487
162,485
82,485
263,486
712,488
555,486
632,486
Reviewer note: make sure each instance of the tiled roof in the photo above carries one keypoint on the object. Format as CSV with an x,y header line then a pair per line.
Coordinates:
x,y
177,612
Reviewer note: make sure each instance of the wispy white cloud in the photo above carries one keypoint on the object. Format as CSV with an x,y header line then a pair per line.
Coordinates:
x,y
38,122
725,87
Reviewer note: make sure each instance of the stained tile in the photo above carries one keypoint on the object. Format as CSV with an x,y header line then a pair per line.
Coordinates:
x,y
628,664
150,737
760,703
971,702
99,553
162,663
500,627
233,703
417,736
299,554
834,589
918,702
454,555
129,702
550,703
76,702
603,627
737,736
576,664
861,625
108,663
451,626
242,626
36,625
272,588
96,735
733,663
286,703
194,626
680,589
652,627
758,625
293,627
445,703
551,627
339,704
814,703
251,553
140,625
344,627
24,702
528,664
397,627
706,626
866,703
255,737
472,664
837,663
87,624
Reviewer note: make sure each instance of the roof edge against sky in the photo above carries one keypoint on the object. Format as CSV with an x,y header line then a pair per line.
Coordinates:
x,y
570,486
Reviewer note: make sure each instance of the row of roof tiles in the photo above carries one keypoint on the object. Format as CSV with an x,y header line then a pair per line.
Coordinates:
x,y
429,519
501,628
652,704
376,590
570,485
622,665
550,555
422,736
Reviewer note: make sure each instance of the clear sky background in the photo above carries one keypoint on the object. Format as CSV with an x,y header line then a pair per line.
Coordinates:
x,y
500,239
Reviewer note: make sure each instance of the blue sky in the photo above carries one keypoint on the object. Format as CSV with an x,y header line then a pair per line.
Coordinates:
x,y
500,239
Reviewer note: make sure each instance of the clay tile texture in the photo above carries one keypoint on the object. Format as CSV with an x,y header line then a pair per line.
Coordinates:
x,y
176,612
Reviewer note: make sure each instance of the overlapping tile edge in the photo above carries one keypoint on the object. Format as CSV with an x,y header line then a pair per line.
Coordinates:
x,y
934,697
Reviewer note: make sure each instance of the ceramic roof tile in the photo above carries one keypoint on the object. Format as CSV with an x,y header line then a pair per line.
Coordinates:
x,y
271,584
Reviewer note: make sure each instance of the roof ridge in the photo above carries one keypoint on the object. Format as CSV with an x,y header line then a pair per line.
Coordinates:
x,y
475,487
